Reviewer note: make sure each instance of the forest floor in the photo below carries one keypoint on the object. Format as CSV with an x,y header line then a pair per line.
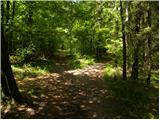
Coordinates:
x,y
66,93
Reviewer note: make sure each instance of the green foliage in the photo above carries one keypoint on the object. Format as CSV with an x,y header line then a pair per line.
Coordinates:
x,y
137,100
24,54
27,71
81,61
111,71
155,79
32,69
86,30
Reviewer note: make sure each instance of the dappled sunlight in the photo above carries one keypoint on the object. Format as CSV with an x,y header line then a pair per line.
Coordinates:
x,y
95,70
73,59
64,93
67,93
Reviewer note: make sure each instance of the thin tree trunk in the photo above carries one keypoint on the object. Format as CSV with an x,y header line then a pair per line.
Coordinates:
x,y
134,73
124,43
135,66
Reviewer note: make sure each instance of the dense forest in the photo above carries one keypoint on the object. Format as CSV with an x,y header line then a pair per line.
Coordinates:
x,y
79,59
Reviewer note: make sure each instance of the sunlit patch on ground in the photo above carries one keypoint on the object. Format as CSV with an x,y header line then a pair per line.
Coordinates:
x,y
95,70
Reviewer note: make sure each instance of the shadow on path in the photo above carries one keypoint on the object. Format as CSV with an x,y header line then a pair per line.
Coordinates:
x,y
66,93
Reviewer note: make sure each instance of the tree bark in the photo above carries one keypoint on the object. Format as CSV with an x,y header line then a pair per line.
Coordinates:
x,y
9,85
3,78
135,65
124,43
5,88
134,74
8,78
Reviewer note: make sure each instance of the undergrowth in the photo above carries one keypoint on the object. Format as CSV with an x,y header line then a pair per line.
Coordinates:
x,y
32,69
81,61
138,100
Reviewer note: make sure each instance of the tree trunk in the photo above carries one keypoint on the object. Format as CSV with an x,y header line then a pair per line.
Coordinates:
x,y
3,78
135,67
124,43
9,85
4,86
134,74
8,77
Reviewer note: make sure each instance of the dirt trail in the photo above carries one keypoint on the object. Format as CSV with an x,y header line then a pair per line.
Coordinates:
x,y
66,93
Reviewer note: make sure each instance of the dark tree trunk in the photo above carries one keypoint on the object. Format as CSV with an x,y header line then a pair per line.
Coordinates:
x,y
124,43
3,78
135,65
8,77
149,49
4,84
9,85
134,74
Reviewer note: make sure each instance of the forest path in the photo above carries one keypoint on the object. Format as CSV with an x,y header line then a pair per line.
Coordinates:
x,y
66,93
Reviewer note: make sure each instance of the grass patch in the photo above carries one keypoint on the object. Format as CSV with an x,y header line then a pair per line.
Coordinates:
x,y
27,71
81,62
32,69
